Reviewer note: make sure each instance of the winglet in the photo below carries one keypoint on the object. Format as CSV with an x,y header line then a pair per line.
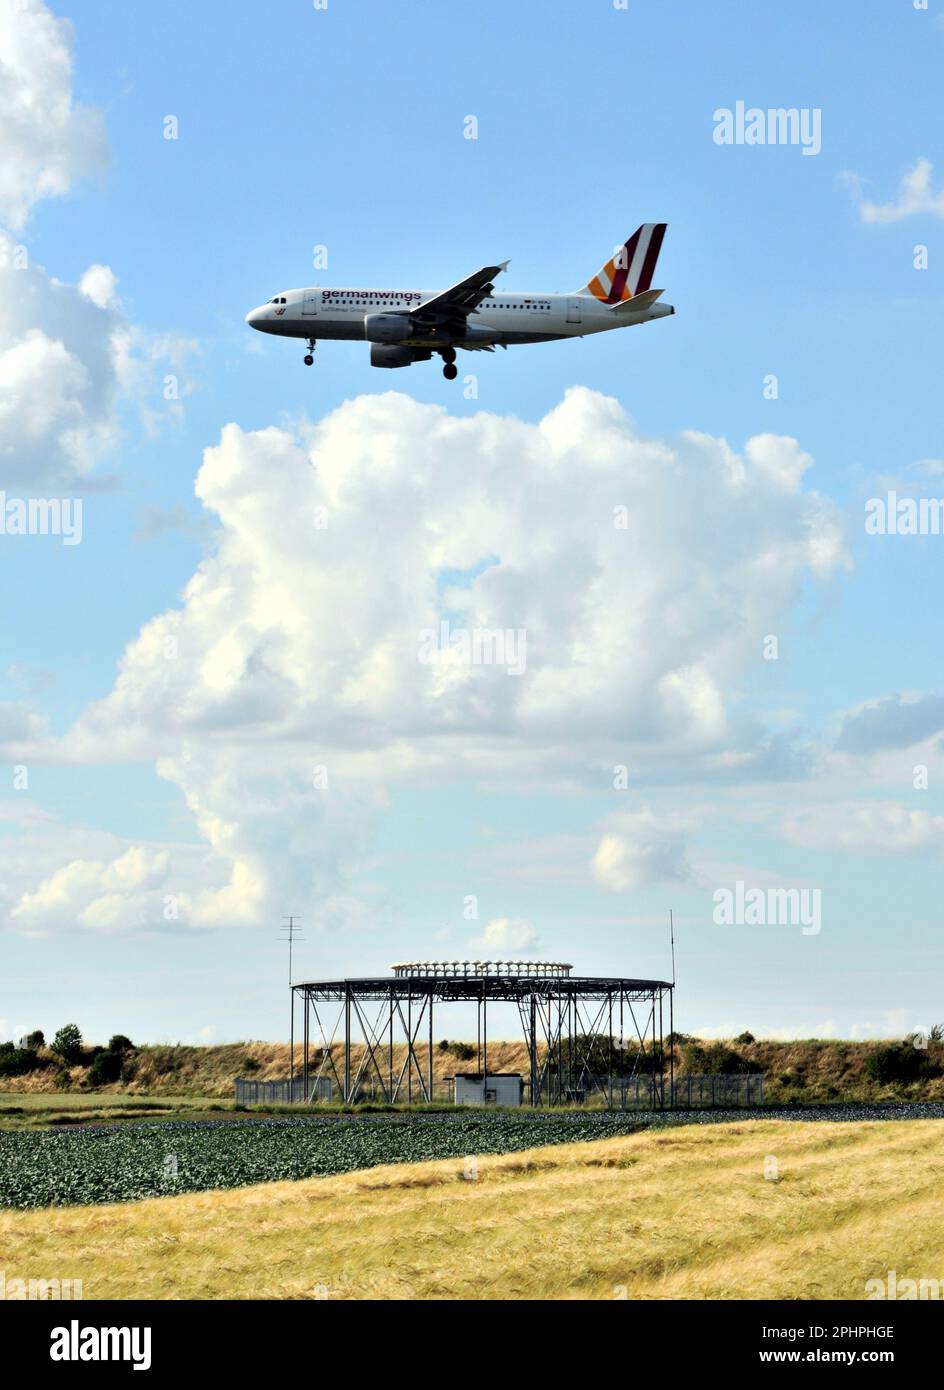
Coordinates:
x,y
503,265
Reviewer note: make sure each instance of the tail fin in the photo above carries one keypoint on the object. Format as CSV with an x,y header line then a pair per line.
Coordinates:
x,y
631,270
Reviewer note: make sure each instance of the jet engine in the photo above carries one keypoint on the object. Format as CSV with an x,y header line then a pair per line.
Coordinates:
x,y
387,328
385,355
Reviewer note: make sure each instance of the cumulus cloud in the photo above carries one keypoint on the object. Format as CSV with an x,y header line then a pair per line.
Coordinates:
x,y
58,378
506,936
55,878
68,356
47,142
643,572
99,284
873,825
642,847
915,196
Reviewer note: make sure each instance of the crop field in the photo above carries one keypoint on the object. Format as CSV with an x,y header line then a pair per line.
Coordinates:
x,y
756,1209
133,1161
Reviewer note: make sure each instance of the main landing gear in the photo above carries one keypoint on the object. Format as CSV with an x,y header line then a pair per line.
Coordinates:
x,y
310,354
450,370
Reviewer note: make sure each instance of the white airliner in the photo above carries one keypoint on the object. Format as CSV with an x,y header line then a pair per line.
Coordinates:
x,y
407,326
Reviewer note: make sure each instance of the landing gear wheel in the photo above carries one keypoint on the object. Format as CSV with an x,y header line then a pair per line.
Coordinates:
x,y
309,360
450,371
310,354
449,355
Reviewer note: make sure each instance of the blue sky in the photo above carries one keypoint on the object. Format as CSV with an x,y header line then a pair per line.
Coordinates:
x,y
301,127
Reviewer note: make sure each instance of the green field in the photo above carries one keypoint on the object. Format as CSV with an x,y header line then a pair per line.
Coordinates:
x,y
49,1167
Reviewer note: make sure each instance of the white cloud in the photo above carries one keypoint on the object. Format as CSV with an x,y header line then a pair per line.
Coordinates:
x,y
46,142
67,357
103,883
296,645
66,353
915,196
99,284
506,936
871,825
642,847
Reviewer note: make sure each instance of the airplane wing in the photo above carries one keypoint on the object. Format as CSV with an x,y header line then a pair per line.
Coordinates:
x,y
461,299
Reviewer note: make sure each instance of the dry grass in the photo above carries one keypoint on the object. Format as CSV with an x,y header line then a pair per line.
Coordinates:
x,y
671,1214
182,1070
808,1070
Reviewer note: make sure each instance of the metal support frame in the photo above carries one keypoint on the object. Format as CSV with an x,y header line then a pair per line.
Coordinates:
x,y
567,1021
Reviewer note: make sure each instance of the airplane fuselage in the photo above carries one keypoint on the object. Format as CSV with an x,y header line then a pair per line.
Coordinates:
x,y
502,319
407,326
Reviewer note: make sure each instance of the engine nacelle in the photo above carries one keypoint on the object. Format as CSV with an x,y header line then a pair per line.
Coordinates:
x,y
385,355
387,328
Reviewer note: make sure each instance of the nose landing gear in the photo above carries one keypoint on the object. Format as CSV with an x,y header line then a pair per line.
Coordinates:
x,y
310,354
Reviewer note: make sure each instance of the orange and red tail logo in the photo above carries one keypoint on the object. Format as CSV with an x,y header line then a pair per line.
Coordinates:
x,y
631,270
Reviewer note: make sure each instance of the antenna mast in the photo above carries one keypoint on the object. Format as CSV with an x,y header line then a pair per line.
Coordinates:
x,y
291,936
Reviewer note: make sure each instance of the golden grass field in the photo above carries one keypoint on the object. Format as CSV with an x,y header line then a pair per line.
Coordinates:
x,y
681,1213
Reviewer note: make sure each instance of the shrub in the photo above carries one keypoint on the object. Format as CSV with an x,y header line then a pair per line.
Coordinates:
x,y
250,1064
68,1043
716,1060
105,1069
17,1061
129,1067
36,1039
120,1044
63,1079
898,1062
743,1039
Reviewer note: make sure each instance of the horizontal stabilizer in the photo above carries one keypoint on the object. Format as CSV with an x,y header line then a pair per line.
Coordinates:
x,y
638,301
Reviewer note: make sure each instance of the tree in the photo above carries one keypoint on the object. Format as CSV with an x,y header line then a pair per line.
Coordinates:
x,y
67,1043
120,1044
36,1039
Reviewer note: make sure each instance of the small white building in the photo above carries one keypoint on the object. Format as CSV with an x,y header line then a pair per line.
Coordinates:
x,y
500,1088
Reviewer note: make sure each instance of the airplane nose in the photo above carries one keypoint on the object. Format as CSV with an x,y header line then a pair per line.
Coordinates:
x,y
252,318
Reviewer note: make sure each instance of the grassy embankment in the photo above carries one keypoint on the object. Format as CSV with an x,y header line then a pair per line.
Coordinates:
x,y
804,1072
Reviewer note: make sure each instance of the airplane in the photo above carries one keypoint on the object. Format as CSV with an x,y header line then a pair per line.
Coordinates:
x,y
407,326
